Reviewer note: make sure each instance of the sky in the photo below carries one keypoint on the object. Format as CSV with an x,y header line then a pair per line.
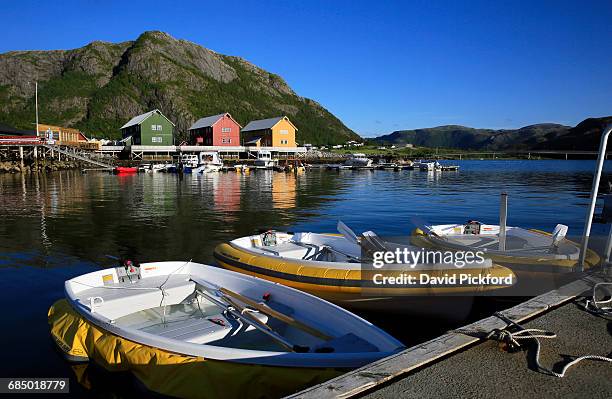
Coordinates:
x,y
379,66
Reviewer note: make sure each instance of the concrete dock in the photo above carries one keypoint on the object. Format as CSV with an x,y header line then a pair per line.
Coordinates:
x,y
462,363
486,371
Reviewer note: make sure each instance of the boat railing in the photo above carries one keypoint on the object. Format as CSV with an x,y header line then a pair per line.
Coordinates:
x,y
594,191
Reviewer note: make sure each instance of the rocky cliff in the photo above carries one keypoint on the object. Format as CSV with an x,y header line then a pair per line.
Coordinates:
x,y
100,86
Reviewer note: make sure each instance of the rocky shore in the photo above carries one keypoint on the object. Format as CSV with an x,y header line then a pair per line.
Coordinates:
x,y
43,165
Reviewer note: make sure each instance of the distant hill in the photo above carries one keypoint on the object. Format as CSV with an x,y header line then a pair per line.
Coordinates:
x,y
584,136
99,87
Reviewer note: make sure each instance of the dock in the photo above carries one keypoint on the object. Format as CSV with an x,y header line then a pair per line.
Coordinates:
x,y
464,363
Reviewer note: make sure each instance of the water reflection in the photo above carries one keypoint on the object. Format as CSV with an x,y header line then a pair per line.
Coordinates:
x,y
56,226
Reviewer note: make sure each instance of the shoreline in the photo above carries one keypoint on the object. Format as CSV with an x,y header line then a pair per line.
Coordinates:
x,y
43,165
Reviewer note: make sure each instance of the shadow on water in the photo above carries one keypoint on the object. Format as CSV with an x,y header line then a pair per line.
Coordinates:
x,y
60,225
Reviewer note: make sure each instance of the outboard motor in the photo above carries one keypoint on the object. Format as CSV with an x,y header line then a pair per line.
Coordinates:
x,y
472,227
128,271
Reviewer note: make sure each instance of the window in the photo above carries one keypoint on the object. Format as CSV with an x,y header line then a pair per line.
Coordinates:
x,y
284,142
226,129
156,139
284,131
226,140
157,128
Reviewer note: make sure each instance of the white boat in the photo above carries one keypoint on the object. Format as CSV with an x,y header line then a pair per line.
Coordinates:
x,y
537,250
150,168
209,162
358,160
426,165
189,160
264,160
192,309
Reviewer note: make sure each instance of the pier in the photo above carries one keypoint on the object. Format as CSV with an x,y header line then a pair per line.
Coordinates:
x,y
469,364
141,152
35,150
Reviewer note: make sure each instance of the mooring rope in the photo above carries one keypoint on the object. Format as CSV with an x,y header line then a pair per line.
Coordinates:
x,y
512,340
593,305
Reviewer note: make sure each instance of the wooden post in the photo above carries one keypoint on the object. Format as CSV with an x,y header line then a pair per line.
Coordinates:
x,y
21,156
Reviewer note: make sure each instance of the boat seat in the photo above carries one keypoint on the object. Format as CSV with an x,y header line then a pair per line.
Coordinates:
x,y
287,250
200,330
143,294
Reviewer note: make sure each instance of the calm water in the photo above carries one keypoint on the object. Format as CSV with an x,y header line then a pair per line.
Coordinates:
x,y
56,226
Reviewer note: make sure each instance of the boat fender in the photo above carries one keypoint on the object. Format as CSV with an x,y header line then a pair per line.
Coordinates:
x,y
266,296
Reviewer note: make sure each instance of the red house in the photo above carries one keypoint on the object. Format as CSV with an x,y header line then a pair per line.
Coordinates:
x,y
216,130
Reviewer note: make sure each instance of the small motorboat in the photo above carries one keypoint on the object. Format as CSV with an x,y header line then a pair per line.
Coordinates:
x,y
264,160
426,165
209,162
124,170
527,250
332,267
358,161
191,330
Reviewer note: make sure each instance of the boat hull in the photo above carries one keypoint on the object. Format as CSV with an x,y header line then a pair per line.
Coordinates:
x,y
352,288
124,170
174,374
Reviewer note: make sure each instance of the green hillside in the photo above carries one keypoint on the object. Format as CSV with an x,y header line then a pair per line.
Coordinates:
x,y
100,86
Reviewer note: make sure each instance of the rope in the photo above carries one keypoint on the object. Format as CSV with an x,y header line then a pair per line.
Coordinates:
x,y
594,304
512,340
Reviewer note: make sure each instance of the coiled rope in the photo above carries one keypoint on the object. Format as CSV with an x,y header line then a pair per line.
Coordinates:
x,y
512,339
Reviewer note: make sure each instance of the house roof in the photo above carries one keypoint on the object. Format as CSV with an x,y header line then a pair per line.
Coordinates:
x,y
210,120
265,124
137,120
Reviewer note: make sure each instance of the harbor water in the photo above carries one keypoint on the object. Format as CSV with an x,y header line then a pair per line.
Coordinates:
x,y
58,225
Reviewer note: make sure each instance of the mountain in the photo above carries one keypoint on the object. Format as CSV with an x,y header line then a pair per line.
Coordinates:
x,y
99,87
584,136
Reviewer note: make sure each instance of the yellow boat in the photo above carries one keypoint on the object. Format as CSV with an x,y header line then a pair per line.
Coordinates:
x,y
528,251
329,266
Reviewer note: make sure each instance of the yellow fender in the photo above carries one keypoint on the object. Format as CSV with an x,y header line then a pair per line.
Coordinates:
x,y
171,373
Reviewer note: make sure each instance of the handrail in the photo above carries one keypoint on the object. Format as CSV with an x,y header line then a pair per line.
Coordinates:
x,y
594,190
77,156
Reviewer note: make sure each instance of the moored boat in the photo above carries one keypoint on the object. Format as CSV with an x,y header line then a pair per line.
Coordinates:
x,y
124,170
264,160
209,162
527,250
358,161
330,266
184,329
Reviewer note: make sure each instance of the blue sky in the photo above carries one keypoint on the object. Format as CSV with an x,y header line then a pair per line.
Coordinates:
x,y
379,65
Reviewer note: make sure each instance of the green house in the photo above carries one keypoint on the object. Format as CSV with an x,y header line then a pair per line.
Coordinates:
x,y
151,128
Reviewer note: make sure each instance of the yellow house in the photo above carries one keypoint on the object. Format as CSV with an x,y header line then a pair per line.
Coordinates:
x,y
273,132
